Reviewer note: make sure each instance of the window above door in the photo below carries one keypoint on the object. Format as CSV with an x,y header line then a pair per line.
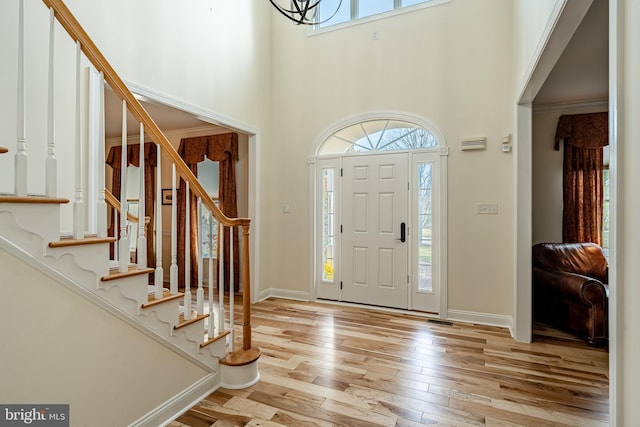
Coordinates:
x,y
378,135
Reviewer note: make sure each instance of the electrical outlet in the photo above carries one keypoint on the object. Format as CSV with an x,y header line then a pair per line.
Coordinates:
x,y
487,208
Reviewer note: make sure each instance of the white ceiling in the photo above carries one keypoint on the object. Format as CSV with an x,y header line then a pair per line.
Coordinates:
x,y
582,71
167,118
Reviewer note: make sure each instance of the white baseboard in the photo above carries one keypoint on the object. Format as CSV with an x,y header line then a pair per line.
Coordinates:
x,y
283,293
489,319
180,403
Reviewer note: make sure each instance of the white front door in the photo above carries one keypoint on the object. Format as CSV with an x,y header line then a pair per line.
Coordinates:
x,y
375,230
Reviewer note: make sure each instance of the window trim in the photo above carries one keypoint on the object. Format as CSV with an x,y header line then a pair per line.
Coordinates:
x,y
315,30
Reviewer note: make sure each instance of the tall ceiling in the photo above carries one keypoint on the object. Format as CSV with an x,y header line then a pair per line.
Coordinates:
x,y
581,74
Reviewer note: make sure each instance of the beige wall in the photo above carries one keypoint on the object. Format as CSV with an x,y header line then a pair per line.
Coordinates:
x,y
58,347
451,66
531,24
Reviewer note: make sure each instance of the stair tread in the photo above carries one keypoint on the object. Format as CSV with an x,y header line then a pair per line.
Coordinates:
x,y
133,271
194,318
10,198
208,340
65,242
241,357
166,296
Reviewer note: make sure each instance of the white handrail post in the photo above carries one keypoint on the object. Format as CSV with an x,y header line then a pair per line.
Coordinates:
x,y
200,291
102,205
142,239
78,206
159,274
123,253
220,278
232,335
187,254
212,326
21,150
173,270
51,164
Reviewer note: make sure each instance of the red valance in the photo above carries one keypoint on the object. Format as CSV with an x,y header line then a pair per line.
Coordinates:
x,y
133,155
217,148
583,130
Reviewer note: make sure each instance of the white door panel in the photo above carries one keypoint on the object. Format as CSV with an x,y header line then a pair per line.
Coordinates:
x,y
374,205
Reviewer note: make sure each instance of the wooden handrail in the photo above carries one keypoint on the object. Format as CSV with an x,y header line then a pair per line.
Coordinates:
x,y
93,54
77,33
115,203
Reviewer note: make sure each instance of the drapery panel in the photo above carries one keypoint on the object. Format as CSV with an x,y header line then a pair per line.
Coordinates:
x,y
223,149
584,137
133,158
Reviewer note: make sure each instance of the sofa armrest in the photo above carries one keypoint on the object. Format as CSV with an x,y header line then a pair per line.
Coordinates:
x,y
575,287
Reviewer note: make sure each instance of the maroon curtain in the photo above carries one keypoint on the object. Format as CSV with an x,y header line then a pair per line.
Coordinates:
x,y
133,158
584,135
224,150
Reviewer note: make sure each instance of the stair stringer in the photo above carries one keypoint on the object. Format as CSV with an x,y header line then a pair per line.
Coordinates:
x,y
121,297
211,365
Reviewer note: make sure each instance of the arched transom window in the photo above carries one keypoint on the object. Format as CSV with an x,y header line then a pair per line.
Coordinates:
x,y
379,135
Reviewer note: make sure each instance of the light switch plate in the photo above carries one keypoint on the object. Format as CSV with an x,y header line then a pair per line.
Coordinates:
x,y
487,208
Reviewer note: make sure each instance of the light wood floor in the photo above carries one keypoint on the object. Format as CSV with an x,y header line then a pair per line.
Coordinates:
x,y
330,365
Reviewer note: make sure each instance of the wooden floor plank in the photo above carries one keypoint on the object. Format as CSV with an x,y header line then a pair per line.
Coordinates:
x,y
331,365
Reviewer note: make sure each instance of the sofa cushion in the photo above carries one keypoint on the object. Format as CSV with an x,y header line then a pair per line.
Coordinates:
x,y
581,258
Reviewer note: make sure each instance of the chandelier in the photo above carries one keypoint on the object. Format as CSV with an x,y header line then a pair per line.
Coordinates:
x,y
302,11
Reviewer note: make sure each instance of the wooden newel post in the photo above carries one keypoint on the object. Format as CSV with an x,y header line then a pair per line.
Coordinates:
x,y
246,293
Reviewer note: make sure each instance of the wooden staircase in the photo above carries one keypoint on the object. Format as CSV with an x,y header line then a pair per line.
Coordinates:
x,y
128,291
31,225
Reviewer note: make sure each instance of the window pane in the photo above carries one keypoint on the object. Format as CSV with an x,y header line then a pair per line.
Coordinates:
x,y
412,2
208,175
425,227
209,227
328,217
372,7
328,8
379,135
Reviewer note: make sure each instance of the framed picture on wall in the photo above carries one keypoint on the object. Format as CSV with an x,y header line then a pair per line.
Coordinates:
x,y
167,196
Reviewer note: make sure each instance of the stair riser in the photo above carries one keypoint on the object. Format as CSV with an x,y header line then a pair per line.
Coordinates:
x,y
188,345
91,257
166,312
43,219
134,287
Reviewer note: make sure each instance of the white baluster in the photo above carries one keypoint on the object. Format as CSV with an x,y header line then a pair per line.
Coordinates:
x,y
116,248
220,278
123,265
142,239
173,270
101,219
78,205
187,255
200,291
159,275
232,335
212,326
51,164
21,150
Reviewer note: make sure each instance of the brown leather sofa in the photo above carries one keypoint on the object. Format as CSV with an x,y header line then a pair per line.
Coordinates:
x,y
570,289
